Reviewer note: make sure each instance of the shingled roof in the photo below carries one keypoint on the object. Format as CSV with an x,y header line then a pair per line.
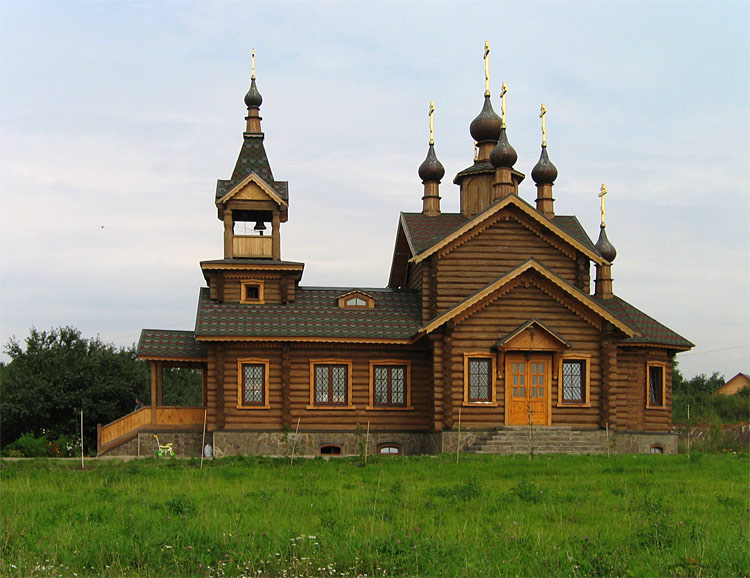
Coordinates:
x,y
313,315
252,159
165,344
650,331
423,232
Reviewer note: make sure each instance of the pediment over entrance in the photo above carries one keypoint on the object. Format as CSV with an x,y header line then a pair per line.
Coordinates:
x,y
532,336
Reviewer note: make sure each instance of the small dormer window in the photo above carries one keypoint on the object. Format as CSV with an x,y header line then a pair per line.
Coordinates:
x,y
251,292
356,300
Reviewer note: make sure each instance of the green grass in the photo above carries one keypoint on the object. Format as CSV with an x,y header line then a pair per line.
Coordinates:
x,y
427,516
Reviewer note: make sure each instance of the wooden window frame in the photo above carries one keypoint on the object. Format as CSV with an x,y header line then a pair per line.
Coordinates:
x,y
331,406
586,360
663,367
241,404
492,401
400,451
406,406
343,300
261,292
337,446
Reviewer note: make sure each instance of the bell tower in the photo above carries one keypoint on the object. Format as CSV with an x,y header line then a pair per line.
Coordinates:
x,y
251,197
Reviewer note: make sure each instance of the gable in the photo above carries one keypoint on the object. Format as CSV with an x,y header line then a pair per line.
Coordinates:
x,y
468,229
534,273
252,188
532,335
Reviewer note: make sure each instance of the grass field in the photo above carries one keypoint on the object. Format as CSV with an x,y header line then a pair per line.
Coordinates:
x,y
427,516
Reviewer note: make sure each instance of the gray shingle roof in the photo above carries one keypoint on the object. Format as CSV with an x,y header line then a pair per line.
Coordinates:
x,y
163,343
313,314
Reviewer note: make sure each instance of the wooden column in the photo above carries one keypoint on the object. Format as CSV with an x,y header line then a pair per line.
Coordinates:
x,y
448,374
610,400
220,415
431,199
286,369
160,383
228,233
276,236
544,201
154,379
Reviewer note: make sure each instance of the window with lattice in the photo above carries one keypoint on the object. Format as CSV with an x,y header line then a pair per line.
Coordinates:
x,y
331,384
480,379
389,385
253,383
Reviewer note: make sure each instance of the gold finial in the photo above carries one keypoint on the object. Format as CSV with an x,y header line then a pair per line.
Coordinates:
x,y
542,114
603,192
503,90
252,65
486,68
432,125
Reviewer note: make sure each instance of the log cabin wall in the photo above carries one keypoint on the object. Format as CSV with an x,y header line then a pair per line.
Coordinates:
x,y
632,363
481,331
291,401
502,246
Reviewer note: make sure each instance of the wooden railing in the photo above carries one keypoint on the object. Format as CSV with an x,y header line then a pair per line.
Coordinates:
x,y
252,246
158,417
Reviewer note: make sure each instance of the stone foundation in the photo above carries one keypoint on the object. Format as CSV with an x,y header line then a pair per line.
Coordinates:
x,y
232,443
643,442
309,444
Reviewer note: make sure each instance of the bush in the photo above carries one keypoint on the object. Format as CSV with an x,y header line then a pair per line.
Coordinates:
x,y
28,446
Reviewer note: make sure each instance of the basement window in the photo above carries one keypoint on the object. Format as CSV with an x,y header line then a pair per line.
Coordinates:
x,y
657,449
389,450
330,450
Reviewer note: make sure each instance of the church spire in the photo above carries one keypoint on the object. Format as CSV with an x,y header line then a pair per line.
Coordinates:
x,y
606,250
431,171
253,100
544,174
485,128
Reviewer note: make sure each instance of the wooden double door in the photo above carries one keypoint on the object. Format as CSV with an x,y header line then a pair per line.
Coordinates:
x,y
527,383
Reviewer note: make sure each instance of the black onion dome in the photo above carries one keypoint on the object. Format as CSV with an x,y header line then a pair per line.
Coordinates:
x,y
544,172
503,155
253,99
486,126
431,170
605,248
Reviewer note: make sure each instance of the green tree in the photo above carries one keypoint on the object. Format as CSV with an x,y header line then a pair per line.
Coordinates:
x,y
59,373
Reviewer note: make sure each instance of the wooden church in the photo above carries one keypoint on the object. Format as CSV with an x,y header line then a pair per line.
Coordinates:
x,y
489,337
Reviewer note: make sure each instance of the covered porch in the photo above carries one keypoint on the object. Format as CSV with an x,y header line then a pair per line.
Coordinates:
x,y
162,350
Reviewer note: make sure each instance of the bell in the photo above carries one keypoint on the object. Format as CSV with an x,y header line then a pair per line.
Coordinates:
x,y
260,226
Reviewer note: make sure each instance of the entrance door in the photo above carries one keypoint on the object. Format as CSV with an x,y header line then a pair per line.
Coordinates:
x,y
527,380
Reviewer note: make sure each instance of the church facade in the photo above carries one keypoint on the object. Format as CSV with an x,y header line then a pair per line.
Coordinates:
x,y
491,330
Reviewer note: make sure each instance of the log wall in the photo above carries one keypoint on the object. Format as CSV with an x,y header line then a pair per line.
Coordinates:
x,y
468,267
480,331
289,399
632,414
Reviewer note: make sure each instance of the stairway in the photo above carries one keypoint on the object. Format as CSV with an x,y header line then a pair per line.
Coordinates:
x,y
509,440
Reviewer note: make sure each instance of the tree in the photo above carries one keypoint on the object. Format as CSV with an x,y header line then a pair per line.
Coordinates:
x,y
58,374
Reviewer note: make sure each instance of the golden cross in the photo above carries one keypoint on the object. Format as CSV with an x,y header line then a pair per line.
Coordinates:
x,y
601,195
252,60
432,126
486,68
542,114
503,90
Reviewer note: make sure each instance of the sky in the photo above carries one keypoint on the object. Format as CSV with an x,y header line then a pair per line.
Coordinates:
x,y
117,118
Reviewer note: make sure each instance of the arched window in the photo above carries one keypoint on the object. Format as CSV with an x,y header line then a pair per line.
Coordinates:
x,y
330,450
657,449
389,449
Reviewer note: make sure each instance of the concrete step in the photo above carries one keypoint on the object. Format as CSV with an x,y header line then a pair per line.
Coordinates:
x,y
542,440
